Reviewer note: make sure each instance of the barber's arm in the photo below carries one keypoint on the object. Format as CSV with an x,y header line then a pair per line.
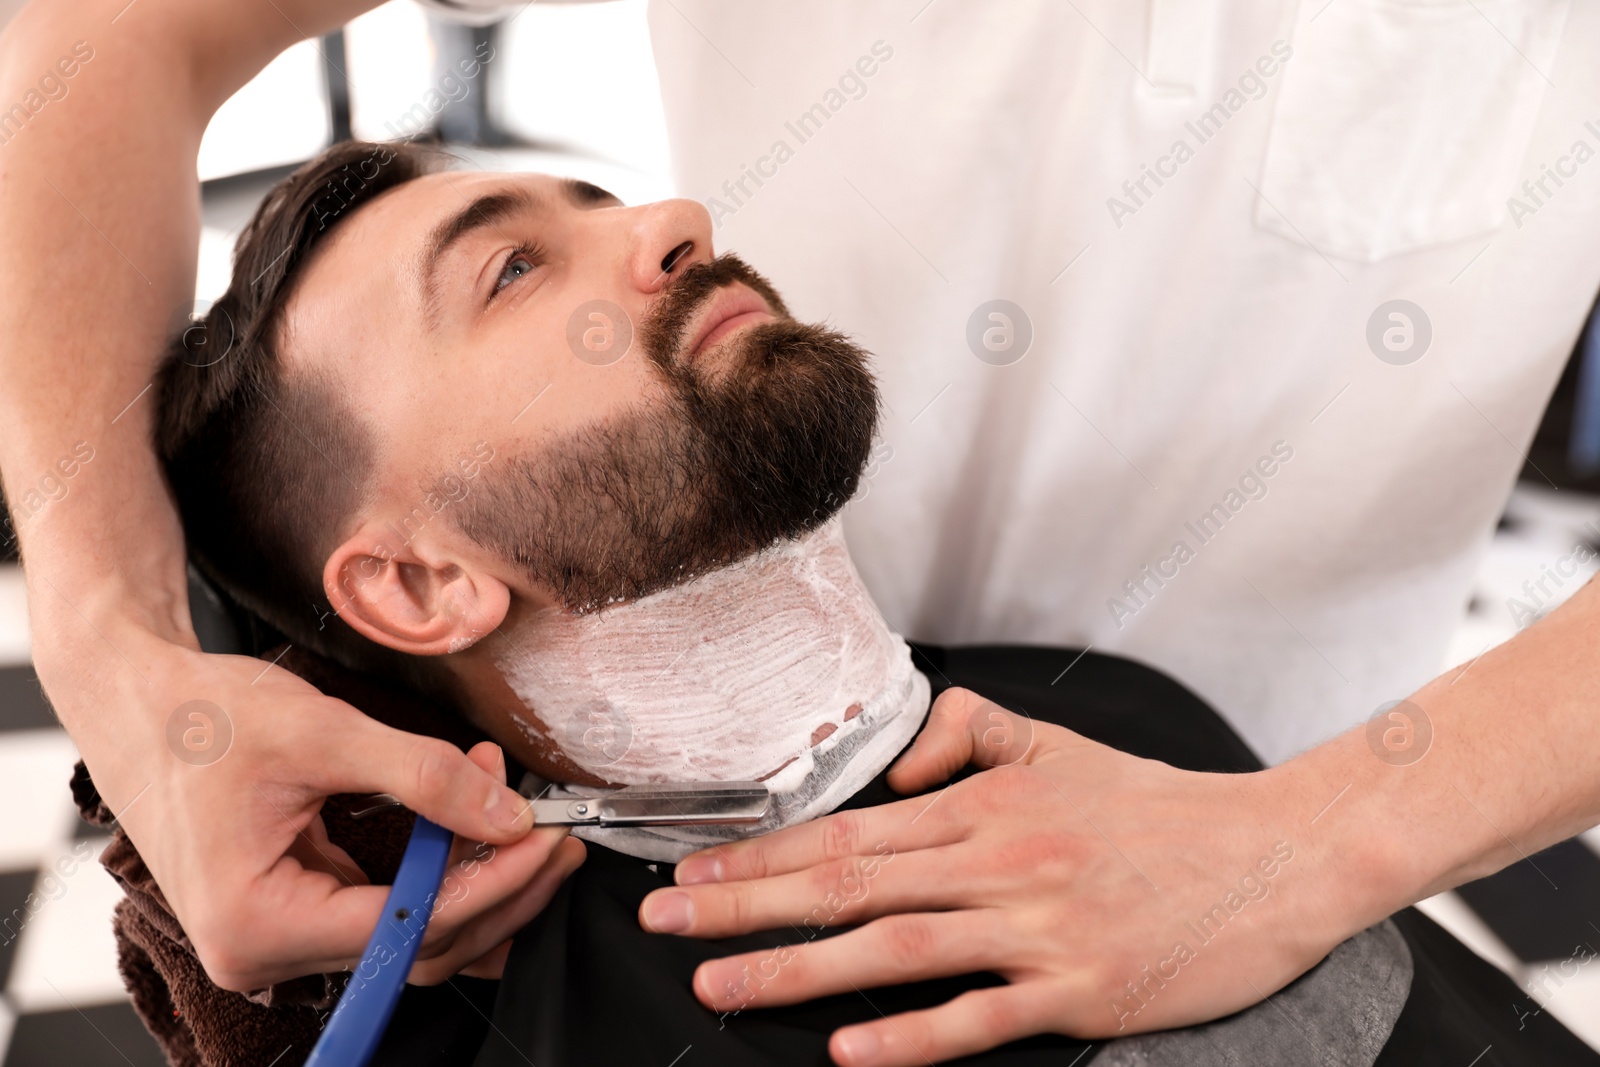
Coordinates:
x,y
1074,871
99,207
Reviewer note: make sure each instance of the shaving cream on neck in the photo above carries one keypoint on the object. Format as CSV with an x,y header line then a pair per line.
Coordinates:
x,y
777,667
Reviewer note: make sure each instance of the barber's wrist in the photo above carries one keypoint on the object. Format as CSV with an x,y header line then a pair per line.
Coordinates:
x,y
76,618
104,661
89,573
1374,841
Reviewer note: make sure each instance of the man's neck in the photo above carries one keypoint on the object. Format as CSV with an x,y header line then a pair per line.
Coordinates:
x,y
778,667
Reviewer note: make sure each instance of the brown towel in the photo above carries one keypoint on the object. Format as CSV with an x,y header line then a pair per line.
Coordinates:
x,y
197,1023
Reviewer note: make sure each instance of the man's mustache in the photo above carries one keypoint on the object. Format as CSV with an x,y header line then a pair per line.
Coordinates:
x,y
663,329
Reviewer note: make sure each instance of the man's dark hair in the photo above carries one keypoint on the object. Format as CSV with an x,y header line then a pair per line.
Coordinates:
x,y
267,466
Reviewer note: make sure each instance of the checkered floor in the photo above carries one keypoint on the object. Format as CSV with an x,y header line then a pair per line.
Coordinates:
x,y
63,1002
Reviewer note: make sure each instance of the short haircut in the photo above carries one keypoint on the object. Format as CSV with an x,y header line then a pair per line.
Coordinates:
x,y
267,467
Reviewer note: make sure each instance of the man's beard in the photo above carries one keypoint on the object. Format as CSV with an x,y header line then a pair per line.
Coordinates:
x,y
770,445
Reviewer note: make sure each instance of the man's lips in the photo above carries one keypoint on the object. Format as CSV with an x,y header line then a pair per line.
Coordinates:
x,y
730,308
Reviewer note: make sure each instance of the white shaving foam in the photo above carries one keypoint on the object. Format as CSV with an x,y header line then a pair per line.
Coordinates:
x,y
730,676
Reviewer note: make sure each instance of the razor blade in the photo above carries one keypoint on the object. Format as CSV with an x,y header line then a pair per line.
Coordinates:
x,y
672,804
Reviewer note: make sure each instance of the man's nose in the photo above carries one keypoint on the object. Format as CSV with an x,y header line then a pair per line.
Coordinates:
x,y
668,236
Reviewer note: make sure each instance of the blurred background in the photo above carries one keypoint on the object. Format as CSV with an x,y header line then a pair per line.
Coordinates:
x,y
542,103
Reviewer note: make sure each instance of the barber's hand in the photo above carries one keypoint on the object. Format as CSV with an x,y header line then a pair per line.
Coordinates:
x,y
1069,868
478,945
238,847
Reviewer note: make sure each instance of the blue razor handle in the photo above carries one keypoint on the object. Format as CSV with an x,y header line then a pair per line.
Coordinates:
x,y
358,1023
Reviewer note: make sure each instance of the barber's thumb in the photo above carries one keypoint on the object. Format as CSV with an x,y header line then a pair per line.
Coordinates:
x,y
962,728
462,791
505,808
491,757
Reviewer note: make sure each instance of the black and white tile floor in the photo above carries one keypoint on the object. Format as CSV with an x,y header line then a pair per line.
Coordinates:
x,y
63,1002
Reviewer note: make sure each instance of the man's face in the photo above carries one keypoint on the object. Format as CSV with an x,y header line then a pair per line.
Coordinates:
x,y
653,410
443,306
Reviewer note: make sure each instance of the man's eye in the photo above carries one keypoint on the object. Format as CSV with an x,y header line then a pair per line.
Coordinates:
x,y
518,262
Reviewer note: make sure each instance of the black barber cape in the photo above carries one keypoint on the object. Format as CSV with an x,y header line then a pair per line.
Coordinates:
x,y
585,985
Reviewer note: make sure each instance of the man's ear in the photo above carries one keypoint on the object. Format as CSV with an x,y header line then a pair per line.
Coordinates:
x,y
419,598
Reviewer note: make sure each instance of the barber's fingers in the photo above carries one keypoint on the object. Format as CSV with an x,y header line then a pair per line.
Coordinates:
x,y
244,948
973,1022
316,853
334,919
839,892
888,951
481,941
903,825
428,775
337,917
490,758
965,728
891,951
491,965
467,855
476,887
962,728
498,890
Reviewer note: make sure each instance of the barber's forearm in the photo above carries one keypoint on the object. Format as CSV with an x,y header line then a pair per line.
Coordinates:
x,y
101,222
1509,770
98,203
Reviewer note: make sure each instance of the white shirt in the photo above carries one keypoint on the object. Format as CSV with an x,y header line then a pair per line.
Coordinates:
x,y
1178,338
1183,331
